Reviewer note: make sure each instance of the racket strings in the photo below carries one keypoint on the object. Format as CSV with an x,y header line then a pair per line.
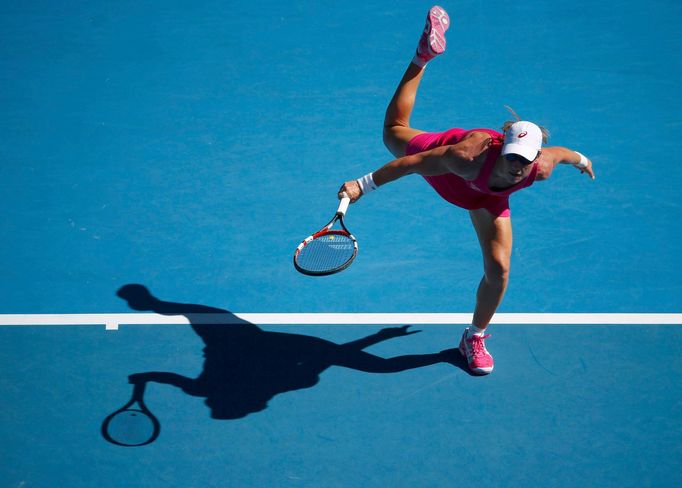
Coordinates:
x,y
326,253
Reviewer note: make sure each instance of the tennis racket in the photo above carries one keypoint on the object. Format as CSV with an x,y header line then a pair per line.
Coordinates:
x,y
327,251
132,425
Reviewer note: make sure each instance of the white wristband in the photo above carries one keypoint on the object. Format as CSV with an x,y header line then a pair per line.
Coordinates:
x,y
367,183
583,161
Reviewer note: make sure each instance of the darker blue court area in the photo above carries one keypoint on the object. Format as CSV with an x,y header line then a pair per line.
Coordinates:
x,y
185,149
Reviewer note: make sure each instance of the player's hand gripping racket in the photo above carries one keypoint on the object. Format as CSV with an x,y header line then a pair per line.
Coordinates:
x,y
132,425
327,251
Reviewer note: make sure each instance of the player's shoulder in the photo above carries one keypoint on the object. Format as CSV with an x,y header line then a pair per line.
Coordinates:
x,y
482,139
484,132
475,143
477,138
476,134
545,164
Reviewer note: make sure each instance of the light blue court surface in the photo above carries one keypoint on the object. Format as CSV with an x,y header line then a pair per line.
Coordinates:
x,y
189,146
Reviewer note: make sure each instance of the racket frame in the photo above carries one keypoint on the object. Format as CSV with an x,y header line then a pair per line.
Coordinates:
x,y
326,230
138,393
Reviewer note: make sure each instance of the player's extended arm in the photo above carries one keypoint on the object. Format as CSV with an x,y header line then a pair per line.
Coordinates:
x,y
463,159
553,156
174,379
382,335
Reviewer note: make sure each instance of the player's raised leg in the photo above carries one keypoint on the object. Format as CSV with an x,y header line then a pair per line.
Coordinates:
x,y
397,130
432,42
495,237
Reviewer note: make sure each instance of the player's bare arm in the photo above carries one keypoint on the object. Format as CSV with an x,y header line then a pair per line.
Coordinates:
x,y
463,159
551,157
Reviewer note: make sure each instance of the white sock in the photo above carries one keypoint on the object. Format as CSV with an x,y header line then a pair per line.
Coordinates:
x,y
473,330
419,61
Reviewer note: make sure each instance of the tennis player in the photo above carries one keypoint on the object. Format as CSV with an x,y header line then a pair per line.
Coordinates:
x,y
474,169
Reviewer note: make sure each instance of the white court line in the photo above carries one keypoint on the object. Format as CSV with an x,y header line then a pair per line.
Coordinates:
x,y
113,320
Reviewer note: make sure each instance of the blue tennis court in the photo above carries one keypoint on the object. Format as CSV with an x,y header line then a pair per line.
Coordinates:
x,y
165,160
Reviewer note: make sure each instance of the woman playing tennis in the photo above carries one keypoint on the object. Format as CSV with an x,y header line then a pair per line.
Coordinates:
x,y
474,169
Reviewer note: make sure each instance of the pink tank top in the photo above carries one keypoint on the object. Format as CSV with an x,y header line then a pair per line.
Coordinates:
x,y
470,194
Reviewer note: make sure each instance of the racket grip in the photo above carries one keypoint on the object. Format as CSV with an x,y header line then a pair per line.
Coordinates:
x,y
343,206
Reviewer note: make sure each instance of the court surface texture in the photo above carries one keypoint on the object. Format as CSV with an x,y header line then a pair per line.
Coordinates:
x,y
162,160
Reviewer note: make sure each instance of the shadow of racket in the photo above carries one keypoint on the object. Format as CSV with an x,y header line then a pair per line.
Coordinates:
x,y
133,424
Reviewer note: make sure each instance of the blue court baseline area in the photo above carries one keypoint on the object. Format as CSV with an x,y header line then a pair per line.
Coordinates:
x,y
189,148
547,414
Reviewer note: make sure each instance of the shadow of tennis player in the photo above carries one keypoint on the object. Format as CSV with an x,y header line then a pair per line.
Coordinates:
x,y
245,366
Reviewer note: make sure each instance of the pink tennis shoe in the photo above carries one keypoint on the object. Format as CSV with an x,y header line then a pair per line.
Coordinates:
x,y
432,41
473,349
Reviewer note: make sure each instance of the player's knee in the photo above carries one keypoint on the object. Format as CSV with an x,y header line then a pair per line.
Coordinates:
x,y
497,271
393,143
388,137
